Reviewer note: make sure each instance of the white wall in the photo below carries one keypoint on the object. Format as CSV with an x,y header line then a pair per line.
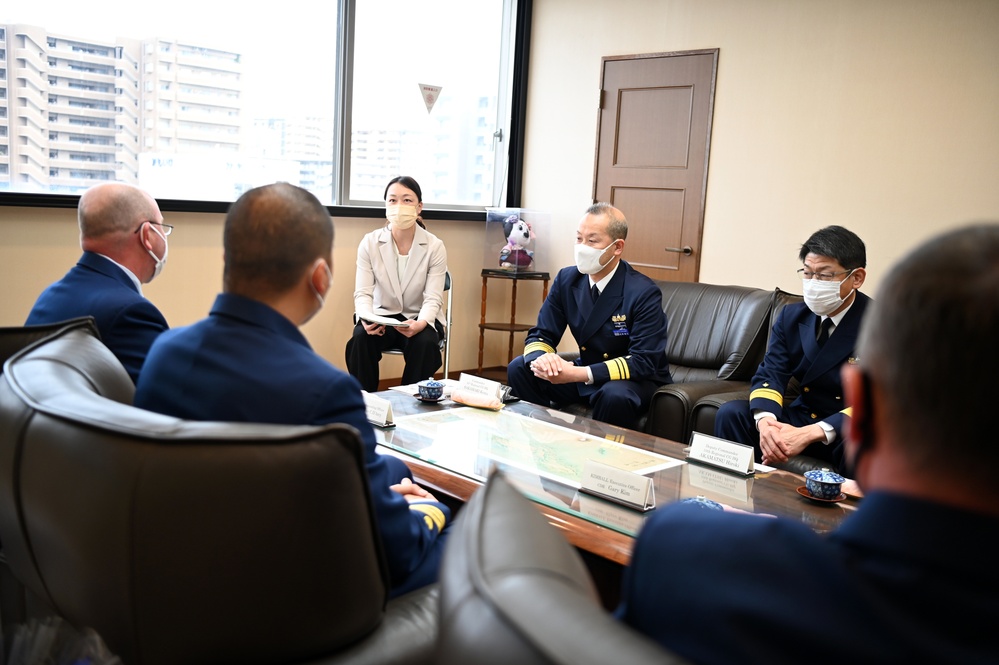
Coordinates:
x,y
879,115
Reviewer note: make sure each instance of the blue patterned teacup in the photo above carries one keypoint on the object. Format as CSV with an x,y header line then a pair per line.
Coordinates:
x,y
430,389
823,483
702,501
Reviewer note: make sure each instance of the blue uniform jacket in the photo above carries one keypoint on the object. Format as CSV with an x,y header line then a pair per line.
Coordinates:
x,y
95,286
899,581
621,337
248,363
793,351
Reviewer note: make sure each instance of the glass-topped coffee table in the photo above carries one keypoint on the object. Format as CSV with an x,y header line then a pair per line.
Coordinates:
x,y
452,449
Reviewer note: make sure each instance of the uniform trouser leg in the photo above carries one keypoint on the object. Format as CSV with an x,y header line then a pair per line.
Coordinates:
x,y
622,403
734,422
362,355
422,353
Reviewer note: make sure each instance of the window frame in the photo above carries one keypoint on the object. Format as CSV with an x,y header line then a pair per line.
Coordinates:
x,y
520,13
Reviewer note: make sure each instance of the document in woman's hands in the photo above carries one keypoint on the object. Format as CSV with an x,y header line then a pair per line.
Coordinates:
x,y
384,320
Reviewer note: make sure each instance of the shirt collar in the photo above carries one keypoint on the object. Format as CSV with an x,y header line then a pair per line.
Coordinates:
x,y
602,284
131,275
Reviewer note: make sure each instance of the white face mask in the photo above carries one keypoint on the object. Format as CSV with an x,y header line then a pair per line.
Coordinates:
x,y
401,216
320,298
823,297
588,258
166,252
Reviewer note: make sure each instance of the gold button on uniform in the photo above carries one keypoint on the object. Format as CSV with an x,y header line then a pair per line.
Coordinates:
x,y
605,356
806,389
582,348
814,416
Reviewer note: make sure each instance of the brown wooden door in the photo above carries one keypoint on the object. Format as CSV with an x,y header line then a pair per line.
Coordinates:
x,y
653,136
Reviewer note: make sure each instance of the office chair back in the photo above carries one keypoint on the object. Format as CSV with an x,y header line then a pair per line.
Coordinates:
x,y
514,591
180,541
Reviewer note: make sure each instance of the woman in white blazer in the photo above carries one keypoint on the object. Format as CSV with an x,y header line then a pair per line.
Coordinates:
x,y
400,276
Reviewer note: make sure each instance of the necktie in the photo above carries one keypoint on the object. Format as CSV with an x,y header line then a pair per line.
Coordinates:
x,y
594,292
827,323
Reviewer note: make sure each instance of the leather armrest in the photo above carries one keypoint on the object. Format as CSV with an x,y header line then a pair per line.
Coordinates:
x,y
672,405
407,634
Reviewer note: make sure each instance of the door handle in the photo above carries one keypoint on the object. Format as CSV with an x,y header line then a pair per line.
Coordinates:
x,y
680,250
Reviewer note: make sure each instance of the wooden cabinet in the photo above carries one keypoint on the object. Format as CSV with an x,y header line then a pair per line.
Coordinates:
x,y
511,327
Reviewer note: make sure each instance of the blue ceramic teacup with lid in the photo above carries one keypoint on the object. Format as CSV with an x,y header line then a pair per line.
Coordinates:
x,y
702,501
431,389
823,483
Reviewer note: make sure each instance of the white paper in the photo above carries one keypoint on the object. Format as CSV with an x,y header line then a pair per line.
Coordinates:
x,y
384,320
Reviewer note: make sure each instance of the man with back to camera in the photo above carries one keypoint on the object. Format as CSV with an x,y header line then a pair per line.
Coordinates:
x,y
248,362
124,243
615,315
910,575
810,342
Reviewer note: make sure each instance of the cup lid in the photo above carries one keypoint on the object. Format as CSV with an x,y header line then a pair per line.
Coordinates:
x,y
824,476
430,383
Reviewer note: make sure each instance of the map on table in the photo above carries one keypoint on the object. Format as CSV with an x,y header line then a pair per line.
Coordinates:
x,y
459,439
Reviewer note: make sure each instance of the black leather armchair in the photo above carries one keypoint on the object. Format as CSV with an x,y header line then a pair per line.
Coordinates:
x,y
191,542
514,591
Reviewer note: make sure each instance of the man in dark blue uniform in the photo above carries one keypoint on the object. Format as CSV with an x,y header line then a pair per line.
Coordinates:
x,y
810,342
124,244
909,576
615,315
248,362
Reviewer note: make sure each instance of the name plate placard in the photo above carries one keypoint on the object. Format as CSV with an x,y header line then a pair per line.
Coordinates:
x,y
624,487
728,455
378,410
476,385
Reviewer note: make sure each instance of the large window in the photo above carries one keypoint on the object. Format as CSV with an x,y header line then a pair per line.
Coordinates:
x,y
202,101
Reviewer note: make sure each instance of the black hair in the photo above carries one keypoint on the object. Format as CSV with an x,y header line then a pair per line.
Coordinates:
x,y
837,243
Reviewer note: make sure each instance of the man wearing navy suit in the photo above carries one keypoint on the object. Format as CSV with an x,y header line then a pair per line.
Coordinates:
x,y
810,342
616,316
248,362
910,575
124,246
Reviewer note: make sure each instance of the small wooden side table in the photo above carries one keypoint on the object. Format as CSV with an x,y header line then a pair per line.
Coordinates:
x,y
512,327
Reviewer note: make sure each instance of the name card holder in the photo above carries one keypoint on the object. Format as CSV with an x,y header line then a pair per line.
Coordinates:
x,y
720,453
622,487
378,410
476,385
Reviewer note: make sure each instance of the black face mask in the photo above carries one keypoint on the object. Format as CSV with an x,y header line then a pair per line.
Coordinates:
x,y
863,430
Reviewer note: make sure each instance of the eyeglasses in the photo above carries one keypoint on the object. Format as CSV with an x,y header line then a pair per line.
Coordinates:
x,y
167,228
805,273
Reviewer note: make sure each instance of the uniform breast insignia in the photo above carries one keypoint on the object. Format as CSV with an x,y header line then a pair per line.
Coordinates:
x,y
853,360
620,322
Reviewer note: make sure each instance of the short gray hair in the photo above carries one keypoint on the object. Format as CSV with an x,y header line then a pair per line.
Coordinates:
x,y
617,225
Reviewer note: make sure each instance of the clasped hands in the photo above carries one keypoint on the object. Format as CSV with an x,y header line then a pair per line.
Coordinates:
x,y
410,491
554,368
781,441
412,328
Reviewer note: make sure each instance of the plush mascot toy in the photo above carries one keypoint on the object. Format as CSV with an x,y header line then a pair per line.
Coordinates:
x,y
519,238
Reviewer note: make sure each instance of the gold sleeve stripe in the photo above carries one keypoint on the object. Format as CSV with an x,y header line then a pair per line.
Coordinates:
x,y
618,369
538,346
432,515
848,412
766,393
